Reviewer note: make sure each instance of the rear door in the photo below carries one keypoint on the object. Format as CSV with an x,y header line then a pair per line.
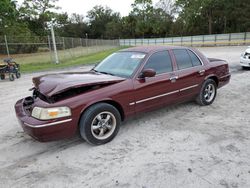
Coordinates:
x,y
156,91
190,72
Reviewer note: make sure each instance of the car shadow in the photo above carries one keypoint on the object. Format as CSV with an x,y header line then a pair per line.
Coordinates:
x,y
246,68
237,69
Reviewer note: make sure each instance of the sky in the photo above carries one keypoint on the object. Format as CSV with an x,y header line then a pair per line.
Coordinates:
x,y
83,6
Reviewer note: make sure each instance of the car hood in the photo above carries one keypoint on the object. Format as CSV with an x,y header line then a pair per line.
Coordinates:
x,y
52,84
248,50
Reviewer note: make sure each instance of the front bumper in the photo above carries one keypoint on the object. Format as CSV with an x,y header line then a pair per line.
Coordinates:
x,y
244,62
45,130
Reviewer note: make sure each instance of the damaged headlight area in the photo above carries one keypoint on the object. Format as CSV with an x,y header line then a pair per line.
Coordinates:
x,y
50,113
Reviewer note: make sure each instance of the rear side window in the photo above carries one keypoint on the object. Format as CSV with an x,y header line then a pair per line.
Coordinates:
x,y
160,62
183,59
194,58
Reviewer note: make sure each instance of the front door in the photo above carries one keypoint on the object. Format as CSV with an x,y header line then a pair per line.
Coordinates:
x,y
156,91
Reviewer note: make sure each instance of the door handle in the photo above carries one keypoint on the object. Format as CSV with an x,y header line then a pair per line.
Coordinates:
x,y
173,78
201,72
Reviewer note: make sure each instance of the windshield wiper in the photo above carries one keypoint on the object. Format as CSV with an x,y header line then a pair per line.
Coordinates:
x,y
102,72
106,73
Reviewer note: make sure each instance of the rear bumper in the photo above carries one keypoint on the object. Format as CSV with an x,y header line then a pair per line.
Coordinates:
x,y
45,130
224,80
244,62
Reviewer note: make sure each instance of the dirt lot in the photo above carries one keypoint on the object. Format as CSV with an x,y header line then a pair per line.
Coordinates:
x,y
180,146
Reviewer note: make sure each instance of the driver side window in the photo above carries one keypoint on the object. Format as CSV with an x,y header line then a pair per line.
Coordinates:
x,y
160,62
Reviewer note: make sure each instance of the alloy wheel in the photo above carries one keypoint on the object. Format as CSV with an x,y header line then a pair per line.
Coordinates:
x,y
103,125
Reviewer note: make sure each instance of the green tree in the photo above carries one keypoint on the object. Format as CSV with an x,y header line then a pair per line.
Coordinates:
x,y
214,16
10,23
142,10
99,17
38,14
196,12
128,26
75,26
150,21
161,22
113,29
236,14
8,15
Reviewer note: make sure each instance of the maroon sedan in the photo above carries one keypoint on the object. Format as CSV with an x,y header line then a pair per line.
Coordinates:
x,y
126,83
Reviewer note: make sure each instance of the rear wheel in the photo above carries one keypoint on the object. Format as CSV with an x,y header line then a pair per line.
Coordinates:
x,y
100,123
2,76
11,77
208,93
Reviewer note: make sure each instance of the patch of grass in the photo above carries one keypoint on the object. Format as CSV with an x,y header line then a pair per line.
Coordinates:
x,y
85,60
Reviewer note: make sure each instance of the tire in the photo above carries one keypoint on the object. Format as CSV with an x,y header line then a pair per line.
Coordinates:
x,y
18,75
2,76
100,123
11,77
207,93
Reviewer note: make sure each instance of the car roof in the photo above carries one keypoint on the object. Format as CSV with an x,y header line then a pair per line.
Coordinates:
x,y
150,49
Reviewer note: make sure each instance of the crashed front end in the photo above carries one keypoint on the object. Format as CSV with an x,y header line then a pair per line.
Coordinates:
x,y
44,121
245,58
54,109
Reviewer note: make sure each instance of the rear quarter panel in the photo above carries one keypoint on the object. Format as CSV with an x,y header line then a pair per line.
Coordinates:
x,y
219,69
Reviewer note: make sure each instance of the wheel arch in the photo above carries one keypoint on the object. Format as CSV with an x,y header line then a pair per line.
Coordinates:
x,y
117,105
213,77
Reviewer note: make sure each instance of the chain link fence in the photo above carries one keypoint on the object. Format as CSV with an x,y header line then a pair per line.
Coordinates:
x,y
40,49
37,49
200,40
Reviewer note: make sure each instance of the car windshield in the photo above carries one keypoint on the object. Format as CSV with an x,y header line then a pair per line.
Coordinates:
x,y
120,63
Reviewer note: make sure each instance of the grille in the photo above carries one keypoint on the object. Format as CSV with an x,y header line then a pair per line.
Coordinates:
x,y
247,55
27,105
36,94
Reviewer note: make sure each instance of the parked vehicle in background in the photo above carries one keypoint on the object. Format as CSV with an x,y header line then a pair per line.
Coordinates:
x,y
10,68
126,83
245,58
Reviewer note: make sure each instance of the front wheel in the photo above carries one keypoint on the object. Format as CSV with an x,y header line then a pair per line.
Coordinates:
x,y
100,123
18,75
208,93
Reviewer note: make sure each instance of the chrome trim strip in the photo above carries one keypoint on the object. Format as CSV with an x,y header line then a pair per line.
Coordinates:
x,y
48,124
155,97
190,87
163,95
225,76
189,68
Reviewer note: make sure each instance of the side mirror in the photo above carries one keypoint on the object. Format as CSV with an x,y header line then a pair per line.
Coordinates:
x,y
147,73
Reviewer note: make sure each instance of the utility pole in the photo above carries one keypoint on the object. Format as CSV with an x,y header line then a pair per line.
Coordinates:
x,y
54,44
86,41
7,47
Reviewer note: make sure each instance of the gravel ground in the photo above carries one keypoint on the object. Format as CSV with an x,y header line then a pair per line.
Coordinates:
x,y
179,146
